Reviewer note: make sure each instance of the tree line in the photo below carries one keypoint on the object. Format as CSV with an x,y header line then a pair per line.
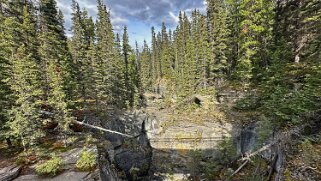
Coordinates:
x,y
45,76
272,47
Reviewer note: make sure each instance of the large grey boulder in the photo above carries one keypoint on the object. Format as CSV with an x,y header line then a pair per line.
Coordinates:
x,y
68,176
131,156
134,157
9,173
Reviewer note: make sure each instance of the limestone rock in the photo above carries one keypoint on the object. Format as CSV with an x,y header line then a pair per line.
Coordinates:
x,y
9,173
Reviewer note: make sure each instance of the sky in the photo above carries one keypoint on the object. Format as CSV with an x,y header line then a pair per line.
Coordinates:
x,y
138,15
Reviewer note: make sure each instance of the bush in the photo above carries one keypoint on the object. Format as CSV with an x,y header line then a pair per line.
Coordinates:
x,y
50,167
195,166
87,161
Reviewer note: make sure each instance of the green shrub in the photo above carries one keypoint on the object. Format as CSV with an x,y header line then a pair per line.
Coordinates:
x,y
87,161
50,167
195,166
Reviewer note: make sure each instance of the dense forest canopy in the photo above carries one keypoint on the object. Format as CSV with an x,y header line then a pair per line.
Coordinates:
x,y
270,49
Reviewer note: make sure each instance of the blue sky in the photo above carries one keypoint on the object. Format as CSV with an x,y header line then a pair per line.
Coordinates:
x,y
138,15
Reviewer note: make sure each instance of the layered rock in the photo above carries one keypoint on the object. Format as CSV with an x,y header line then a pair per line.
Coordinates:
x,y
132,157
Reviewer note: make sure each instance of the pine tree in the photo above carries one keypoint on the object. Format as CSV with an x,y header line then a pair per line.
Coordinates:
x,y
119,78
201,53
138,80
109,79
26,84
67,63
165,52
233,21
255,32
78,51
146,68
128,59
219,33
5,73
204,54
154,57
54,55
184,57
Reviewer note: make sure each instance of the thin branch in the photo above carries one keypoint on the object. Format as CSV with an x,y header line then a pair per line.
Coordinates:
x,y
240,168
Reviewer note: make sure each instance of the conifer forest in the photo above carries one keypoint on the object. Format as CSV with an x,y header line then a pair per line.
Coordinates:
x,y
232,92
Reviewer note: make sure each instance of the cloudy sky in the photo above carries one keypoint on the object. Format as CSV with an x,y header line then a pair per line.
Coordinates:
x,y
138,15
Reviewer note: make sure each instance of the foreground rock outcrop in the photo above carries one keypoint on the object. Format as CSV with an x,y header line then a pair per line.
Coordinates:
x,y
9,173
124,158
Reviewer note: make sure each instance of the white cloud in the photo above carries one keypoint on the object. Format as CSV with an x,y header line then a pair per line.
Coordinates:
x,y
173,17
118,20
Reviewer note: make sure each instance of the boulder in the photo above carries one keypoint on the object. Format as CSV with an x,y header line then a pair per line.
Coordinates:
x,y
9,173
131,156
70,176
134,157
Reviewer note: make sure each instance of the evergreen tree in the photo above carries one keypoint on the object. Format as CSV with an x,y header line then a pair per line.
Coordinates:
x,y
219,33
255,33
54,55
154,57
128,59
119,78
78,51
201,53
137,78
5,73
109,79
26,83
146,68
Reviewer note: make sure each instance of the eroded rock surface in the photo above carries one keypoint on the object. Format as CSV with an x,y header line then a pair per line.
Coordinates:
x,y
9,173
131,156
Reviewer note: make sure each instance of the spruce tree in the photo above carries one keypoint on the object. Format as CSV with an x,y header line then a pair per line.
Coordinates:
x,y
219,33
5,73
54,56
138,80
154,57
146,68
26,84
202,52
128,59
109,73
255,33
78,51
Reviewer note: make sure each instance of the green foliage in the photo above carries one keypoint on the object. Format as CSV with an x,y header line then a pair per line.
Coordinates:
x,y
225,154
195,165
248,103
87,161
309,153
264,131
285,99
219,33
226,151
51,167
26,83
55,59
214,168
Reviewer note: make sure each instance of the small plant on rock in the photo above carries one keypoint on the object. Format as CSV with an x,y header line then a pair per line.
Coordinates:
x,y
51,167
87,161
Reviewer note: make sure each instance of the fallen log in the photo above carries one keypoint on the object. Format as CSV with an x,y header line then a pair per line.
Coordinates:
x,y
240,168
282,138
102,129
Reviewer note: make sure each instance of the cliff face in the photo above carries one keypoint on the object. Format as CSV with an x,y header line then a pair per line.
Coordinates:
x,y
125,158
182,143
